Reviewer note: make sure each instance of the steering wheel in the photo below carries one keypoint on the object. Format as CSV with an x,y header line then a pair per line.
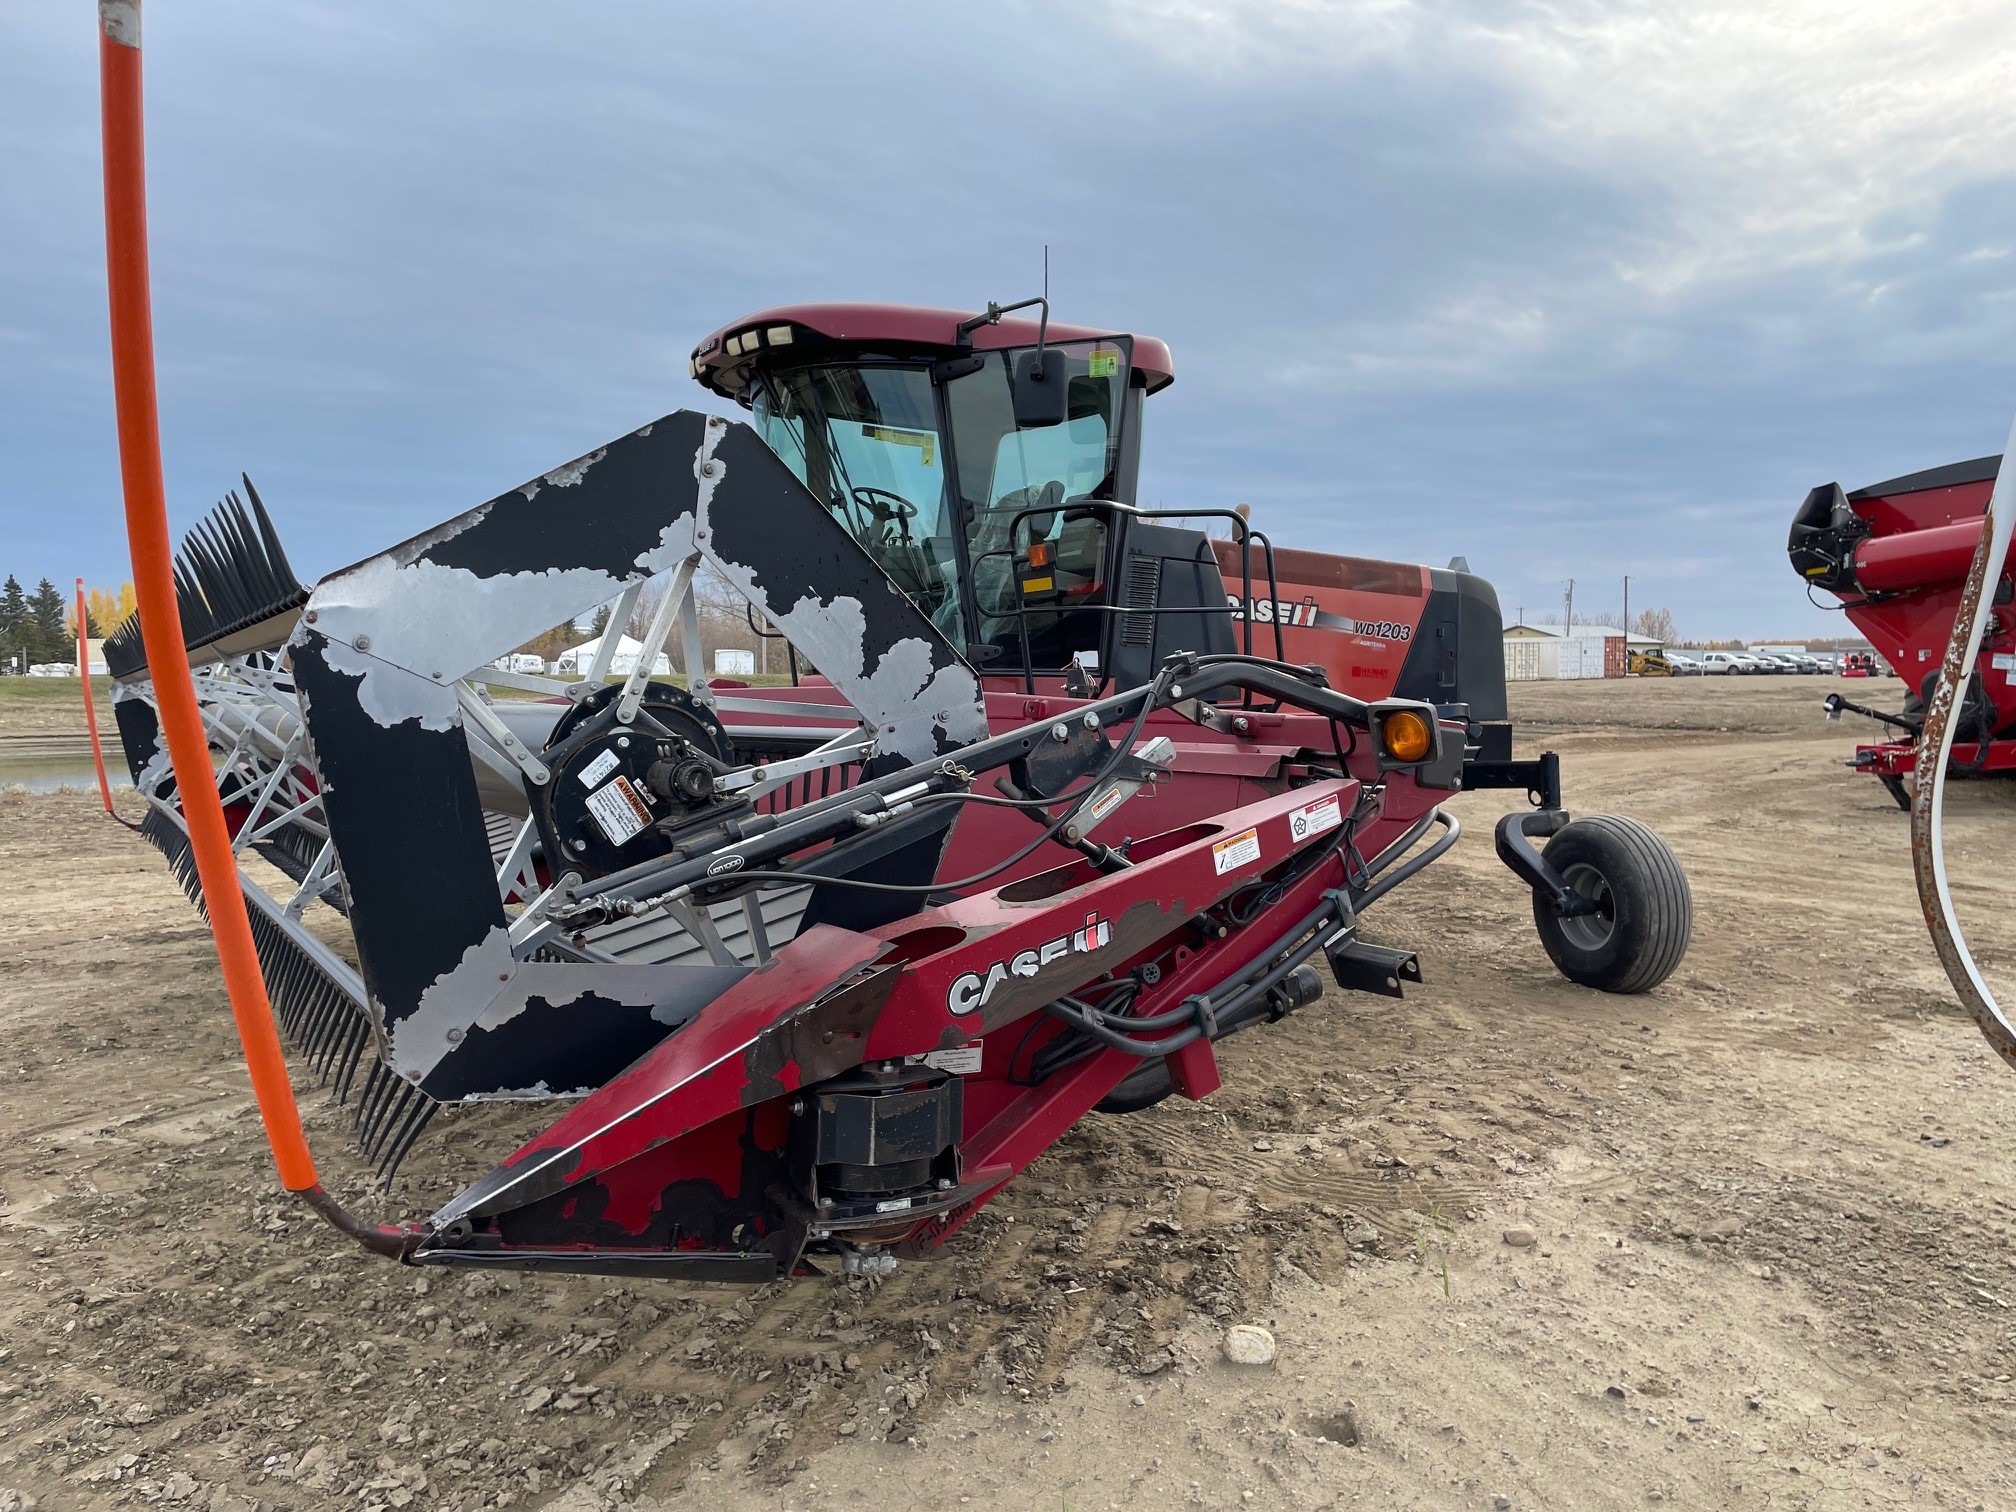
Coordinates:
x,y
883,504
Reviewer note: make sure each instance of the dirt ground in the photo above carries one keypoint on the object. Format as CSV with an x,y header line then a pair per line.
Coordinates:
x,y
1742,1242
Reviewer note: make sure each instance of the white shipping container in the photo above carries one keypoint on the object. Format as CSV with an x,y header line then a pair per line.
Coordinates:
x,y
1559,658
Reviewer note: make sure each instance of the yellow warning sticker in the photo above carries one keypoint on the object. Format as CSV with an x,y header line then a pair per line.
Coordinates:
x,y
924,441
1105,362
1038,585
1242,849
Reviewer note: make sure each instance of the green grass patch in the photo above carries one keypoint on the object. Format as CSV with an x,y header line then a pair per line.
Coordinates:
x,y
49,692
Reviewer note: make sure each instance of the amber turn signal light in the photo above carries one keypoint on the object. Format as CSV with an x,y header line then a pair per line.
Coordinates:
x,y
1406,736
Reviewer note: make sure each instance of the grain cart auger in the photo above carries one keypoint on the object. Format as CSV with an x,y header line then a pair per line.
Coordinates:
x,y
1045,814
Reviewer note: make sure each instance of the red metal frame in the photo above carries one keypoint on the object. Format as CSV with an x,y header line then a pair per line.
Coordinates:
x,y
1898,758
1909,572
685,1149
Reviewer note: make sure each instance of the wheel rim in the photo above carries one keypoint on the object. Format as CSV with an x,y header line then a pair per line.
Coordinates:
x,y
1590,931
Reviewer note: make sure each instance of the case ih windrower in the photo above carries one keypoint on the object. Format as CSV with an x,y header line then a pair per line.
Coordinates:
x,y
1074,793
1896,555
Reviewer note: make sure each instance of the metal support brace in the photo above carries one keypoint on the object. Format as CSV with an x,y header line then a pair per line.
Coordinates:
x,y
696,658
259,805
759,932
320,878
524,682
654,639
477,708
612,637
516,871
775,774
699,923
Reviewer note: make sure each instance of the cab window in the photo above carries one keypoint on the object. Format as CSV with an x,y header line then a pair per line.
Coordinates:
x,y
865,440
1009,473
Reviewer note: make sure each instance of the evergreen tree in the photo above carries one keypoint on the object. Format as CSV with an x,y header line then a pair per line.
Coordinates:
x,y
48,637
13,625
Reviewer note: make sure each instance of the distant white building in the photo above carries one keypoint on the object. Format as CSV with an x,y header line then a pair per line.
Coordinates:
x,y
578,659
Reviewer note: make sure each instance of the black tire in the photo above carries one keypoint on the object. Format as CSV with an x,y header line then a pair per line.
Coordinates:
x,y
1640,933
1144,1087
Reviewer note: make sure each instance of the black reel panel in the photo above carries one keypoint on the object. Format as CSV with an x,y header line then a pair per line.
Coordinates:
x,y
619,793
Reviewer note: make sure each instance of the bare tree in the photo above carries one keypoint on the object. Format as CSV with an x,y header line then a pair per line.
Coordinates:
x,y
1656,624
723,613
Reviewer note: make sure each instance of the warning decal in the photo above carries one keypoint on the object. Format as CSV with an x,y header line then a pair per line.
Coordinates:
x,y
1106,802
1315,818
1242,849
619,811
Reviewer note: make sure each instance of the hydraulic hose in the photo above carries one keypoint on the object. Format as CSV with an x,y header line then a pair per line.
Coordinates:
x,y
1935,748
1387,881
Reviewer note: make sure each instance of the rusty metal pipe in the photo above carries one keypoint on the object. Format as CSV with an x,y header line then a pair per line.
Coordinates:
x,y
1935,748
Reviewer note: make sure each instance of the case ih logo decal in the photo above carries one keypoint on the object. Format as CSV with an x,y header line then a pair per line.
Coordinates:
x,y
1305,613
971,992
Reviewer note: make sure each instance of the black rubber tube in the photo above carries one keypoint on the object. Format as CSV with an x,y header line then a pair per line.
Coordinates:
x,y
1390,880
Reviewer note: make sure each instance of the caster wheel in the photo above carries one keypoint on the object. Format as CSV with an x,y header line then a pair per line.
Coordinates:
x,y
1644,914
1142,1089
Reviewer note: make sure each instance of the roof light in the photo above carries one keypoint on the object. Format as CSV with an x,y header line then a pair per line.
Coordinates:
x,y
734,346
780,335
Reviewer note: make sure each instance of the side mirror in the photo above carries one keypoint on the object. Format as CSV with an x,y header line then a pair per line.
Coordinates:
x,y
1042,388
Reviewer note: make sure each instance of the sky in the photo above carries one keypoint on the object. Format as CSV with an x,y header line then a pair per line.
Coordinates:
x,y
1571,289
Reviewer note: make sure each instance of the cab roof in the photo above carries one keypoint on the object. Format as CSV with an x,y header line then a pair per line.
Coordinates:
x,y
722,362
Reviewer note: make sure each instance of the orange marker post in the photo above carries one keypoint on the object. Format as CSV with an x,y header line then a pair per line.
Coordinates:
x,y
154,586
161,623
90,707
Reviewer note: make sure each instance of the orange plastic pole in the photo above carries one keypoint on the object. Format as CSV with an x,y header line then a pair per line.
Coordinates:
x,y
90,707
154,586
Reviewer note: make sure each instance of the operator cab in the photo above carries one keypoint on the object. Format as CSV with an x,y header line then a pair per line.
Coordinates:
x,y
978,458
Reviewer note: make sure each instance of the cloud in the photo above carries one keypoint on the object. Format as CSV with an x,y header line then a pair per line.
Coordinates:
x,y
1779,131
1756,140
1565,287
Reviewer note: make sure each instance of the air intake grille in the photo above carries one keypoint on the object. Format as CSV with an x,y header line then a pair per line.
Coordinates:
x,y
1141,589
